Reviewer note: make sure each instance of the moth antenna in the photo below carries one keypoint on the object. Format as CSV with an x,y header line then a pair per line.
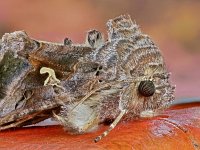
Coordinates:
x,y
112,126
88,95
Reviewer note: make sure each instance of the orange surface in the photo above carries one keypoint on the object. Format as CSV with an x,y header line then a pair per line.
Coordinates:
x,y
177,128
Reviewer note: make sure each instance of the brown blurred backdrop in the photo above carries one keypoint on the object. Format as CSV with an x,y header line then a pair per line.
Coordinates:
x,y
173,25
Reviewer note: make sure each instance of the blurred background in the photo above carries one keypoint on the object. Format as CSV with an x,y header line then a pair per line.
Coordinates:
x,y
173,25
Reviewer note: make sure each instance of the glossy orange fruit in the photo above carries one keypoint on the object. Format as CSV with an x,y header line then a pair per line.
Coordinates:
x,y
177,128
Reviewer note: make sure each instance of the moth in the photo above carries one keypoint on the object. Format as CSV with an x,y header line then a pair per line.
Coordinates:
x,y
83,85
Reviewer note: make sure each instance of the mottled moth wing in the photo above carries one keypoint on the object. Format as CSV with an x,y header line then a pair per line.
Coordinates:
x,y
23,97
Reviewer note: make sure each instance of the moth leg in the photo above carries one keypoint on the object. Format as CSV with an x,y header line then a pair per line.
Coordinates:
x,y
125,100
112,126
89,94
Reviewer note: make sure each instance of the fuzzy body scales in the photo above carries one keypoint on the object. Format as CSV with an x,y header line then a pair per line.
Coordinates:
x,y
117,79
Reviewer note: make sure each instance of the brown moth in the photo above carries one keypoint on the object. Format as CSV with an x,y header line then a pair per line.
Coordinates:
x,y
83,85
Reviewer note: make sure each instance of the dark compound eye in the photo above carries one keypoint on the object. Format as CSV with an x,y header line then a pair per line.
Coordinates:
x,y
146,88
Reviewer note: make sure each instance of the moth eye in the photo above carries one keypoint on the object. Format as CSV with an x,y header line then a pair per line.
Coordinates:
x,y
146,88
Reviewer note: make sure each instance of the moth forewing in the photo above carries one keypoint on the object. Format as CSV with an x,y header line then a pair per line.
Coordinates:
x,y
22,59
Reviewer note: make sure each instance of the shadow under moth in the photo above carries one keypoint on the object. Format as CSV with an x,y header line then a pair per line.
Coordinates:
x,y
83,85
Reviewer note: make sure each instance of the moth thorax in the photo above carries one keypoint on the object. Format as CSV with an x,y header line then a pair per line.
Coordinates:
x,y
122,27
146,88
